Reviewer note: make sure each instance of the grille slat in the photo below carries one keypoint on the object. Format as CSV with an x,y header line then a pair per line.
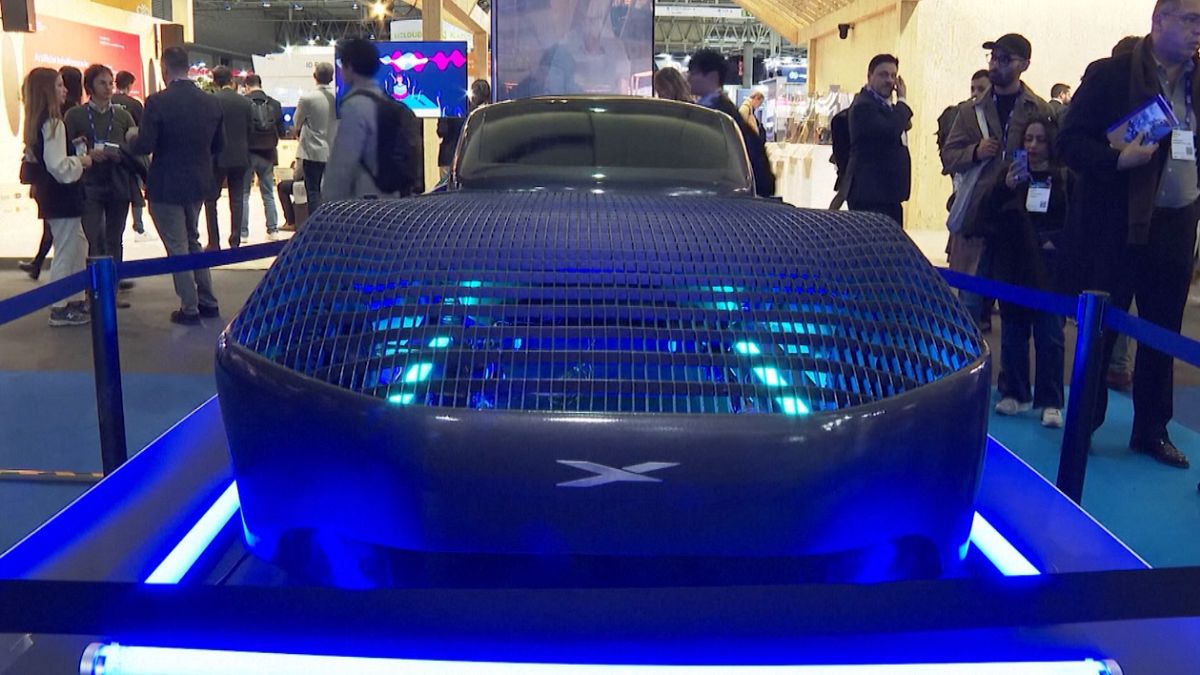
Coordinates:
x,y
607,303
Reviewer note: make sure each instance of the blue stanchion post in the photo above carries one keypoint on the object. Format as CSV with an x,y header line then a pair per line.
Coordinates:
x,y
106,359
1085,387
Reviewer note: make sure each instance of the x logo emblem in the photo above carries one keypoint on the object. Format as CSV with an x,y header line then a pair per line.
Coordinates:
x,y
609,474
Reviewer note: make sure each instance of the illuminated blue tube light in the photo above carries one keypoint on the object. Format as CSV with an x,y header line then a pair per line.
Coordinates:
x,y
1003,555
115,659
188,550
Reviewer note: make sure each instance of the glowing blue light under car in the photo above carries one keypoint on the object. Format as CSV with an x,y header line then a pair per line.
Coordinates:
x,y
999,551
189,549
116,659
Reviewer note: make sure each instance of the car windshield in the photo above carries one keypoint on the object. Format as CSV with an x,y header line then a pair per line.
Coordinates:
x,y
618,144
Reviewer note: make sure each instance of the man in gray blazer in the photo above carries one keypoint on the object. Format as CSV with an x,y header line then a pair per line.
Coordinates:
x,y
182,129
234,161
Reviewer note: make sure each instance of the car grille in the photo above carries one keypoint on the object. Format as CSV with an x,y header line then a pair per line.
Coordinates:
x,y
581,302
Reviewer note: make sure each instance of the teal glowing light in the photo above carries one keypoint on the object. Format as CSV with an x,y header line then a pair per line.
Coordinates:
x,y
440,342
722,289
189,549
399,322
770,377
401,399
792,405
471,284
747,349
418,372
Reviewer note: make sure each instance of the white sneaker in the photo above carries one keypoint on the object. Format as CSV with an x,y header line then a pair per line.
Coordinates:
x,y
1010,406
1052,418
144,236
274,236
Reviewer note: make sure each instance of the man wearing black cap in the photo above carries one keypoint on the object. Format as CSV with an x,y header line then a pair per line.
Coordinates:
x,y
1133,215
1004,109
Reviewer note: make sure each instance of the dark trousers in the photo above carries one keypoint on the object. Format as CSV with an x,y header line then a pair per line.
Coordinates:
x,y
1157,275
314,172
284,188
894,210
104,224
1018,325
43,247
235,179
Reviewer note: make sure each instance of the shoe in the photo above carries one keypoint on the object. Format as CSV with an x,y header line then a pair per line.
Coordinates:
x,y
123,304
210,312
1052,418
212,248
144,236
244,235
125,285
288,227
68,316
273,236
80,306
1011,406
1163,450
1119,380
184,319
34,271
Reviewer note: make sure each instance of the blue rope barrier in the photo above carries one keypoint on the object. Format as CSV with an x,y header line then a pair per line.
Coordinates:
x,y
1026,297
43,296
1155,337
195,261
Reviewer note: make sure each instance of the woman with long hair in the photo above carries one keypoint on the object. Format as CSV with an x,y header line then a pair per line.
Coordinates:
x,y
72,79
670,84
56,185
1028,211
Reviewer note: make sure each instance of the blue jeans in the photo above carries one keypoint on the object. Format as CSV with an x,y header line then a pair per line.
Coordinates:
x,y
265,170
1017,325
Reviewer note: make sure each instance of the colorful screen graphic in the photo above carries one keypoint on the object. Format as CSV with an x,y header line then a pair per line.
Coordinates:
x,y
59,43
428,77
548,47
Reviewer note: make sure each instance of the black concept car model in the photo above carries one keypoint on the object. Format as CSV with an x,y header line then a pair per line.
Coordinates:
x,y
597,345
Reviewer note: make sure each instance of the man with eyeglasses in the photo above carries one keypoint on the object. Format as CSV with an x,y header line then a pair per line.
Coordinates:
x,y
1134,212
987,130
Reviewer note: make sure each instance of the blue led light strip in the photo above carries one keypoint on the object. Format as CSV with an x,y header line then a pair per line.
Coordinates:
x,y
188,550
114,659
1003,555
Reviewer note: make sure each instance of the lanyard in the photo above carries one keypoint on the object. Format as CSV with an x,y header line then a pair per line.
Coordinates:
x,y
1004,123
112,115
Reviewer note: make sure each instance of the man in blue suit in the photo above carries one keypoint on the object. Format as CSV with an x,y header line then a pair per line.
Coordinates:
x,y
182,129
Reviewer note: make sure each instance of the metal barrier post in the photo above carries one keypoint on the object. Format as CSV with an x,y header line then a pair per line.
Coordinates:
x,y
1085,386
106,359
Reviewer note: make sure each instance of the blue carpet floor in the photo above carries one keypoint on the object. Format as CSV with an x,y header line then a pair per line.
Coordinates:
x,y
48,422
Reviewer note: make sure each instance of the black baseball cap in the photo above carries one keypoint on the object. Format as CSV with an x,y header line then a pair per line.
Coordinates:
x,y
1012,43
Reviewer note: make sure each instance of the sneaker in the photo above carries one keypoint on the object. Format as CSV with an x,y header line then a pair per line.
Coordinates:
x,y
68,316
34,271
274,236
184,319
1011,406
144,236
1052,418
80,306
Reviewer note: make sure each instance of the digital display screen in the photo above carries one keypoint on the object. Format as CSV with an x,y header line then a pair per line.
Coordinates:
x,y
428,77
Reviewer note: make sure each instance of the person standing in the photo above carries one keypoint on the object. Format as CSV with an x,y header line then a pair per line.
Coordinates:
x,y
182,129
449,129
749,107
266,128
232,163
1133,218
1060,100
706,77
59,166
109,186
1029,209
879,175
316,123
124,81
1005,108
670,84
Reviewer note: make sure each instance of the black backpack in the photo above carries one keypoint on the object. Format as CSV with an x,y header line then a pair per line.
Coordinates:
x,y
399,150
263,115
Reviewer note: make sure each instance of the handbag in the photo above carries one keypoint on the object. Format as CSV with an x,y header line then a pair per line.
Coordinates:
x,y
965,184
31,173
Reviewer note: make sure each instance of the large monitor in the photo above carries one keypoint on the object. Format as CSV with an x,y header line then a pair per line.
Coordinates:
x,y
428,77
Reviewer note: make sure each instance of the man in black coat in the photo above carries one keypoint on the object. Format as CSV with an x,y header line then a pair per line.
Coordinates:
x,y
182,128
1132,227
880,169
706,76
233,163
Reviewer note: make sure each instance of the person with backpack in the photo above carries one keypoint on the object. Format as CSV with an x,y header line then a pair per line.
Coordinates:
x,y
377,152
266,126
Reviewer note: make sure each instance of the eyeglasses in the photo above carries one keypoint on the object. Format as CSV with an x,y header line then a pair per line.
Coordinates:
x,y
1191,21
1002,59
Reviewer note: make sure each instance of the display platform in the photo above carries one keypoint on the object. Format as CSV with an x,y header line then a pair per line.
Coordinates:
x,y
1054,586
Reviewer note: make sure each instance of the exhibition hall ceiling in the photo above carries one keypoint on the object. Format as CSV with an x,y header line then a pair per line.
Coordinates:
x,y
790,16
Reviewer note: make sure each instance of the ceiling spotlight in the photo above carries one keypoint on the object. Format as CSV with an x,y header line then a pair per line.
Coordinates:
x,y
311,42
266,3
378,10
